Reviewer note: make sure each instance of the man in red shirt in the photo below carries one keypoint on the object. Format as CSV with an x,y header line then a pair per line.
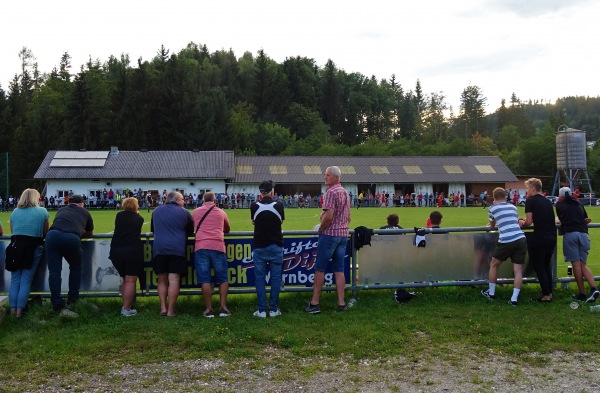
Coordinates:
x,y
333,237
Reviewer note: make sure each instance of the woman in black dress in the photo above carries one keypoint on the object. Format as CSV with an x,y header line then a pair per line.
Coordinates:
x,y
127,252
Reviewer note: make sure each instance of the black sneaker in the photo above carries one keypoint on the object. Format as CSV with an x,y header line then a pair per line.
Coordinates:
x,y
512,303
486,294
313,308
593,296
580,296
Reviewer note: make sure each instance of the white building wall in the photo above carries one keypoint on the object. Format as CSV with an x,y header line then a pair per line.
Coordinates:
x,y
84,186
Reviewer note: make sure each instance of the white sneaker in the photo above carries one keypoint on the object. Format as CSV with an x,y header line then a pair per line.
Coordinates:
x,y
273,314
593,296
128,313
260,314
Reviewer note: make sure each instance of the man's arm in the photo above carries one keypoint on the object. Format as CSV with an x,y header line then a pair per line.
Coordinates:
x,y
89,229
528,220
326,219
226,227
189,227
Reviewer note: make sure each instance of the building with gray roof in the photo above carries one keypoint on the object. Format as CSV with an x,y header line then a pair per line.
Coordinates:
x,y
194,172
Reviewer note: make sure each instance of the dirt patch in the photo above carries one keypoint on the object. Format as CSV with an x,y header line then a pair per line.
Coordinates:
x,y
279,371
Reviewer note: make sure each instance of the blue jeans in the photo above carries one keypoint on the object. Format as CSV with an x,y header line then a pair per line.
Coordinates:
x,y
270,259
59,245
20,281
331,251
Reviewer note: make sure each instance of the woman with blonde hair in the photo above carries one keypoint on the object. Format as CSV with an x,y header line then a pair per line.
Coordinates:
x,y
126,251
28,225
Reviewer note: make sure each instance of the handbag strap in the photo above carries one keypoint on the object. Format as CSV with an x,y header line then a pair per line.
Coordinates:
x,y
203,217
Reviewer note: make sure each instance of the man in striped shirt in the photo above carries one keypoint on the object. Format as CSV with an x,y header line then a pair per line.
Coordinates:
x,y
511,244
333,237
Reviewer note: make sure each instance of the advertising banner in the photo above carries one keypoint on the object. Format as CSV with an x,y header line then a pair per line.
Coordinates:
x,y
98,273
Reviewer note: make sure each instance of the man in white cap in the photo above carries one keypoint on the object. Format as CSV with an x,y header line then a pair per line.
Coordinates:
x,y
576,242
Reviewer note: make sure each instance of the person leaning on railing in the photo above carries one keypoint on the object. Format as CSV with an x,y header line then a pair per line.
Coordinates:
x,y
126,251
28,225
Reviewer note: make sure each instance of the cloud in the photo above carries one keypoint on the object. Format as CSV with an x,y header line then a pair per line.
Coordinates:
x,y
496,61
534,8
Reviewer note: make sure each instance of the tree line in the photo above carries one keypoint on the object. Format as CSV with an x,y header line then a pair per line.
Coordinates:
x,y
254,105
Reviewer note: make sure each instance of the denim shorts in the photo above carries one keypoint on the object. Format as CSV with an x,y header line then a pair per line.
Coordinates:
x,y
576,246
331,251
204,260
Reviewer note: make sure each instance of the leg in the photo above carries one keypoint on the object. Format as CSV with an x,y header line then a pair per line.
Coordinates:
x,y
26,279
588,275
340,287
202,262
207,291
578,273
54,261
338,268
260,267
128,291
73,253
537,249
326,248
13,292
173,292
493,273
518,272
317,287
163,286
276,266
223,290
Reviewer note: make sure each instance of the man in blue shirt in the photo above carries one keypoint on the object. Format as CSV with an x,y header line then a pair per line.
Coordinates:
x,y
171,224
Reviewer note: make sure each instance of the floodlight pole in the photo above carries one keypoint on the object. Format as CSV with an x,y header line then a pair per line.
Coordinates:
x,y
6,196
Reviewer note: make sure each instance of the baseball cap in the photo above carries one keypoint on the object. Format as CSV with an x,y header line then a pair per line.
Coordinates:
x,y
266,186
75,199
564,192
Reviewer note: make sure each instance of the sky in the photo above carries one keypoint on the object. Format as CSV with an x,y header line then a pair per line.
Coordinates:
x,y
537,49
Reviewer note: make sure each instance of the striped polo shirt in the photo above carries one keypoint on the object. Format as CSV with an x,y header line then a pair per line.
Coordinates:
x,y
507,220
337,199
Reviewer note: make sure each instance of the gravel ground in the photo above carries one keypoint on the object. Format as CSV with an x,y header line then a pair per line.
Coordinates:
x,y
279,371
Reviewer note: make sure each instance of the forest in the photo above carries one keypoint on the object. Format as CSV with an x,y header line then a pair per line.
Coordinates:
x,y
254,105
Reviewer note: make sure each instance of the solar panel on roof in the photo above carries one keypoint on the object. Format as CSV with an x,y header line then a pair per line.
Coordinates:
x,y
347,169
81,154
413,169
80,163
278,170
244,169
453,169
379,170
485,169
312,169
